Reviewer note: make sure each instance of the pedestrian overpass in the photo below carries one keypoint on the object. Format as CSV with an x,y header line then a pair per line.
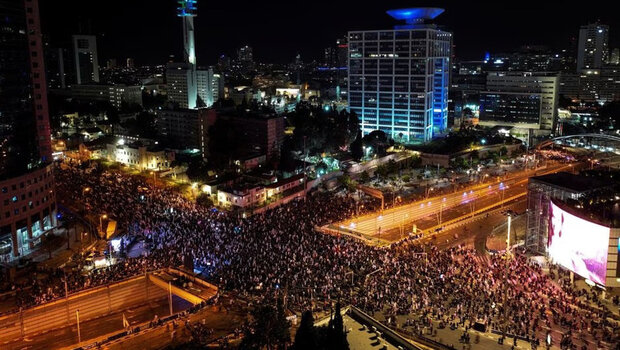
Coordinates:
x,y
590,141
183,285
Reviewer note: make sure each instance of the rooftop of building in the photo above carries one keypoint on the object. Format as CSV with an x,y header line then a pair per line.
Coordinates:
x,y
572,182
415,14
288,180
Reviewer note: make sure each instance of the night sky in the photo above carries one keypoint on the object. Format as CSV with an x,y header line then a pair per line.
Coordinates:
x,y
149,30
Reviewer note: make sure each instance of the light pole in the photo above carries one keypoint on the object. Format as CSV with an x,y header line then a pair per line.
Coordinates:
x,y
441,209
170,296
508,235
77,317
502,188
505,298
428,190
101,218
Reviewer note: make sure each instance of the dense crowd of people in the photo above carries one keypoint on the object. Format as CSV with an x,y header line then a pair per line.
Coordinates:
x,y
280,251
512,296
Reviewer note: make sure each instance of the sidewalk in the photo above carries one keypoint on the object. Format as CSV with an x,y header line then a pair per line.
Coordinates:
x,y
61,255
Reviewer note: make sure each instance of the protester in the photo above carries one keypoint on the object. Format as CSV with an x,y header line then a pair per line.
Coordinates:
x,y
280,251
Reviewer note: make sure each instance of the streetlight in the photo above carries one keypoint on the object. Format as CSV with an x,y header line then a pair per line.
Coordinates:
x,y
394,198
503,188
441,209
101,218
508,235
402,225
428,190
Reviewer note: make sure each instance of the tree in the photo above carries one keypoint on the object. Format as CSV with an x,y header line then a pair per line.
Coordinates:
x,y
269,329
347,182
224,142
357,150
474,154
503,151
364,177
49,242
382,171
416,161
392,167
610,112
306,337
204,200
337,338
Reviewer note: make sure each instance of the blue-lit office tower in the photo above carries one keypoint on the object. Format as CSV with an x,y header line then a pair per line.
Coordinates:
x,y
398,78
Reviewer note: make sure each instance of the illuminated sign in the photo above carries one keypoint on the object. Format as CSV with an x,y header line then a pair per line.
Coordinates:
x,y
577,244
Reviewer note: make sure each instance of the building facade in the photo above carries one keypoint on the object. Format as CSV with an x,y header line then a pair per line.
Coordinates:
x,y
182,85
27,197
209,85
593,49
520,99
187,128
398,78
117,95
140,157
85,58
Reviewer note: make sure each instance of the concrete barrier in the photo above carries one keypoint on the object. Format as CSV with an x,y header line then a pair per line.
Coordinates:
x,y
92,304
386,332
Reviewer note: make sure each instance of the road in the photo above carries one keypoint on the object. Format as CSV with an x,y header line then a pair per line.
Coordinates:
x,y
91,329
397,221
476,232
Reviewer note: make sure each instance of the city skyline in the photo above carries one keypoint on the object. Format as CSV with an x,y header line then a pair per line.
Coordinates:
x,y
149,31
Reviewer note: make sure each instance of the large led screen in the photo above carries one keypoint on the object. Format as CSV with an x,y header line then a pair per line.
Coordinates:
x,y
578,245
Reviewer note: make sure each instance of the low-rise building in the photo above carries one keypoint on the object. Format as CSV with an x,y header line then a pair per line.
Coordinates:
x,y
140,156
249,193
117,95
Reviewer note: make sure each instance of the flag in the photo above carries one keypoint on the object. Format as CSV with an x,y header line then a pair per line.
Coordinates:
x,y
125,322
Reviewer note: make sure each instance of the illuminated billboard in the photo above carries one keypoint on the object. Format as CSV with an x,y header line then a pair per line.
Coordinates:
x,y
577,244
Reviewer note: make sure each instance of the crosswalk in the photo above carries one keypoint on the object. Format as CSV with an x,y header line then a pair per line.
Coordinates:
x,y
483,259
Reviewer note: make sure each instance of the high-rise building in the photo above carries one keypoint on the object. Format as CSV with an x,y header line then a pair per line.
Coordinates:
x,y
614,58
130,62
593,48
57,67
342,52
27,198
244,54
182,77
329,57
85,57
208,87
398,78
223,63
520,99
182,85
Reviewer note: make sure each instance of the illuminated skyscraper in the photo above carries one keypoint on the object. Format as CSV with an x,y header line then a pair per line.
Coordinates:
x,y
398,78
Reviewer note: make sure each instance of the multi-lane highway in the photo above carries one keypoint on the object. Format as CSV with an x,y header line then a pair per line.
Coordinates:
x,y
473,199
